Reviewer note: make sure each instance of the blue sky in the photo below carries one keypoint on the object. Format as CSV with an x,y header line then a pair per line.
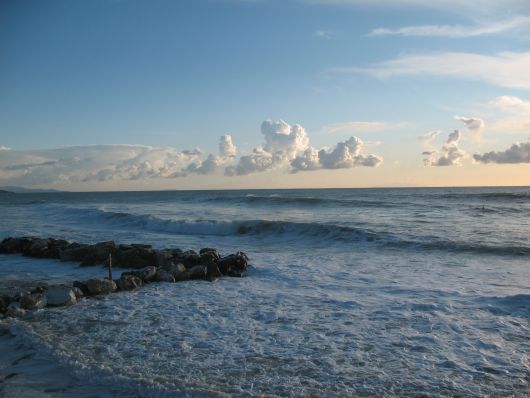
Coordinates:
x,y
177,75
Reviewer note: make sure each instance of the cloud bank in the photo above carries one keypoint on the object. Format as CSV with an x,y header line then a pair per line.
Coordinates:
x,y
449,155
283,145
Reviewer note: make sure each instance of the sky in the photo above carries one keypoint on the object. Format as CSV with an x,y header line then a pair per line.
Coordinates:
x,y
226,94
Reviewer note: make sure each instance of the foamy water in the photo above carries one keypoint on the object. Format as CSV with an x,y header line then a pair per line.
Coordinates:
x,y
350,293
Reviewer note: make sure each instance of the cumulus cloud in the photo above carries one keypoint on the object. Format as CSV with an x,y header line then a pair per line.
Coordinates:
x,y
512,114
429,137
474,125
288,146
449,155
517,153
226,147
507,69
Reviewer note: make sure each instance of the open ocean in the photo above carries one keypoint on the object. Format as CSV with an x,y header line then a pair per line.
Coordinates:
x,y
352,292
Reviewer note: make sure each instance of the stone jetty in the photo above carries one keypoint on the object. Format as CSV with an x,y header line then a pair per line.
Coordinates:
x,y
149,265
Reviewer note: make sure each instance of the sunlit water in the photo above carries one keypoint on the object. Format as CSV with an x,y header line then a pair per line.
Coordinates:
x,y
351,293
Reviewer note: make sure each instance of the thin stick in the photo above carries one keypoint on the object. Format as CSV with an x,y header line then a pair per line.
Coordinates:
x,y
110,266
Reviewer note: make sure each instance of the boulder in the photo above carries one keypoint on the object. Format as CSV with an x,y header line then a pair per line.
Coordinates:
x,y
59,296
33,301
74,252
37,248
78,292
81,286
179,272
14,310
97,286
212,271
163,276
134,256
14,245
4,302
129,282
208,252
197,272
164,258
146,274
234,265
99,253
190,259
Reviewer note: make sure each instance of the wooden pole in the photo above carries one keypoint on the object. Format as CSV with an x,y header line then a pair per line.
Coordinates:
x,y
110,266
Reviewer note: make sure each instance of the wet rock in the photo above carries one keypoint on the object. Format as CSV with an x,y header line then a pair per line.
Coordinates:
x,y
78,293
208,252
14,245
97,286
59,296
39,289
81,286
4,302
134,256
164,258
37,248
234,265
197,272
15,311
212,271
99,253
163,276
33,301
179,272
190,259
129,282
74,252
146,274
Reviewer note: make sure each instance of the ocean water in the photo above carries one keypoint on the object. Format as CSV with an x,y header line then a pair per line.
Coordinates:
x,y
351,292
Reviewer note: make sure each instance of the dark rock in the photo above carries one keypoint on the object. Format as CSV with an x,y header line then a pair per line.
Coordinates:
x,y
214,253
234,265
59,296
212,271
74,252
39,289
164,258
97,286
37,248
99,253
4,302
83,287
163,276
146,274
129,282
33,301
15,245
197,272
134,256
78,292
179,272
190,259
14,310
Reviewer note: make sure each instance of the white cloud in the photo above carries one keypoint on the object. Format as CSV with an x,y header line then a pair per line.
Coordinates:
x,y
226,147
356,127
456,31
449,155
4,148
429,137
513,115
507,69
517,153
474,125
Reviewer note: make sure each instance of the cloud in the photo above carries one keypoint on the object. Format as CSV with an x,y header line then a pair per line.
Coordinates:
x,y
456,31
513,114
449,155
323,34
4,148
429,137
517,153
288,146
356,127
226,147
507,69
474,125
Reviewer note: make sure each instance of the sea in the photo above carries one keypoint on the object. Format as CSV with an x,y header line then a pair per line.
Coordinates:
x,y
421,292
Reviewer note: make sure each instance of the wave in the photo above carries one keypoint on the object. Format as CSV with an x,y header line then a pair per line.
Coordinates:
x,y
302,232
487,195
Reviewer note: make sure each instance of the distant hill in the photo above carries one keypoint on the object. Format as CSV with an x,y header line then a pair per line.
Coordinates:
x,y
25,190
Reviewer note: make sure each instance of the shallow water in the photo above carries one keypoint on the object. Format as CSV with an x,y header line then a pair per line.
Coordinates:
x,y
351,293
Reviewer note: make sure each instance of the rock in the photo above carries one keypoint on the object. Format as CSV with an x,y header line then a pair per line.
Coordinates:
x,y
190,259
208,252
40,289
59,296
197,272
33,301
74,252
134,256
81,286
212,271
164,258
4,302
15,245
14,310
234,264
129,282
179,272
98,286
78,292
37,248
99,253
163,276
146,274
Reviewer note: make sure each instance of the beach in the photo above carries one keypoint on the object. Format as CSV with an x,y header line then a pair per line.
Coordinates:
x,y
349,292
